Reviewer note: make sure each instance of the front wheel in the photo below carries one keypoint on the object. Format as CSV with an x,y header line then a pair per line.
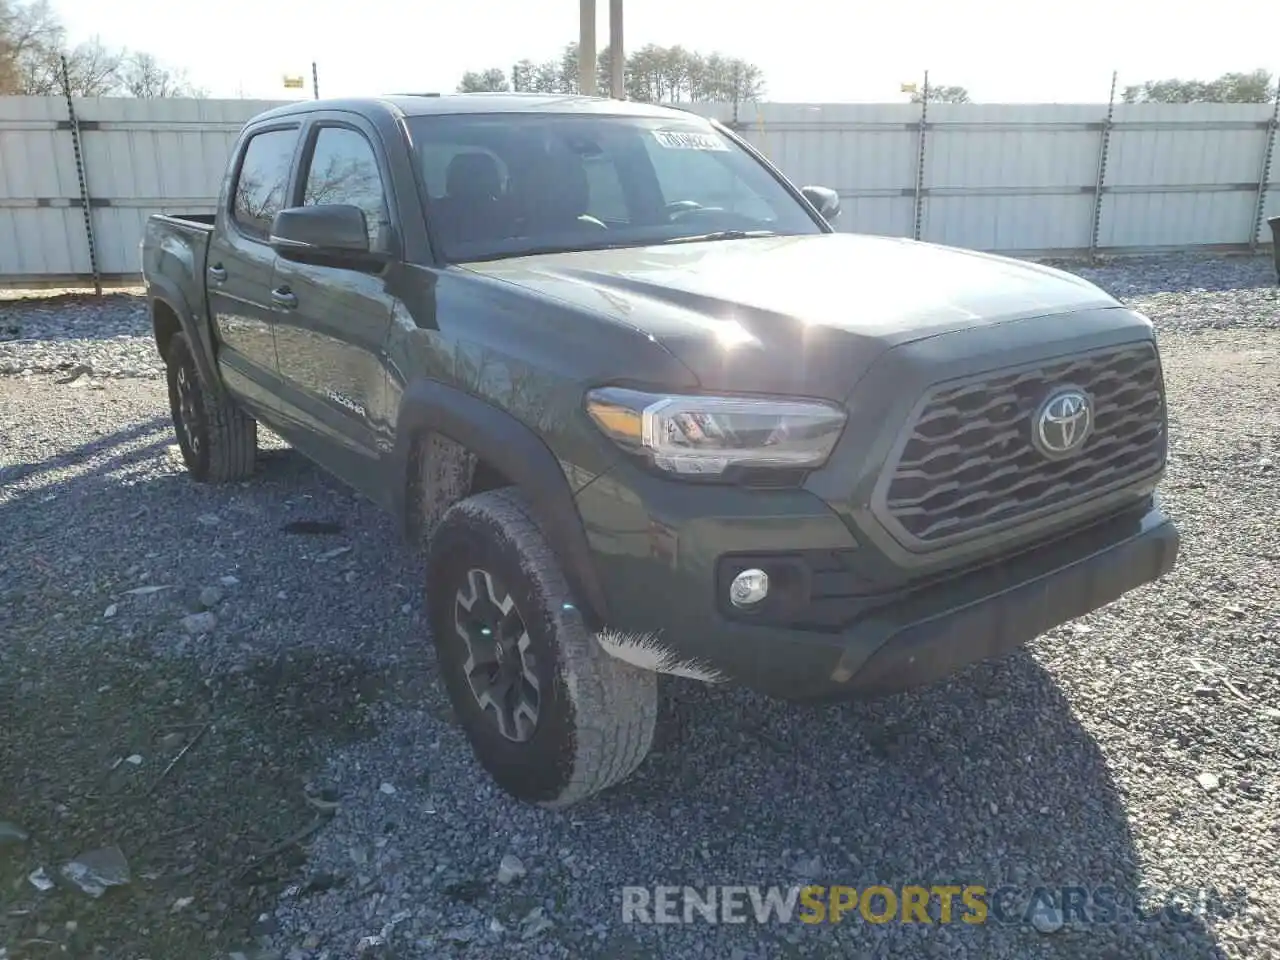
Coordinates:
x,y
218,440
550,716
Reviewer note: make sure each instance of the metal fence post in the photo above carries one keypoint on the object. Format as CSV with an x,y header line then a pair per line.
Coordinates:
x,y
84,185
1264,178
924,122
1101,179
315,81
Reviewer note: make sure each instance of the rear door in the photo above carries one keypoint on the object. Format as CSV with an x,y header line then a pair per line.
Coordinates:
x,y
332,322
241,262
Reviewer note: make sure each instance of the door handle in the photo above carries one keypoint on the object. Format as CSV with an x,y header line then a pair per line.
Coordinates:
x,y
218,272
284,297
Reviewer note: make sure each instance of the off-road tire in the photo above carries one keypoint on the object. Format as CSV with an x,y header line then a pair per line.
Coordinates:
x,y
220,443
596,714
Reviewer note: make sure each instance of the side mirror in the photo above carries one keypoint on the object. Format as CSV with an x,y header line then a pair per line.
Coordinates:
x,y
327,231
826,200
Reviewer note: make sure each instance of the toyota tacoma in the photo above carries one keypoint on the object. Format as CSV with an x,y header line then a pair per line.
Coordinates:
x,y
649,413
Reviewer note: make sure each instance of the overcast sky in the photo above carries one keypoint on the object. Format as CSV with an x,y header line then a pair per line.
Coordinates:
x,y
810,50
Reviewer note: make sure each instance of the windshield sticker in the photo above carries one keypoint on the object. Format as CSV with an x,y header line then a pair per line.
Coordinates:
x,y
686,140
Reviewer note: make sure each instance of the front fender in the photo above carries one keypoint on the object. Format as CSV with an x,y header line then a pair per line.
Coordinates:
x,y
512,448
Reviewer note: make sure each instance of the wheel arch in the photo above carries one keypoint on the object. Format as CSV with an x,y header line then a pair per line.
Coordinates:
x,y
501,448
169,315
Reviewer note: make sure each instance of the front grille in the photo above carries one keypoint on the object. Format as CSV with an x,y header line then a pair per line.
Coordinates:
x,y
969,462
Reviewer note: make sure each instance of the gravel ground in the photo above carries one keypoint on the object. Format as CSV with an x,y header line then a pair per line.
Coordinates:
x,y
231,690
55,333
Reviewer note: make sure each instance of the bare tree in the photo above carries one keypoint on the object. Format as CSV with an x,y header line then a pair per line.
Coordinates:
x,y
28,34
8,67
143,76
25,27
93,70
33,42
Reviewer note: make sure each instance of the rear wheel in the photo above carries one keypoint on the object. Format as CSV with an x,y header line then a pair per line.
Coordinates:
x,y
551,716
218,440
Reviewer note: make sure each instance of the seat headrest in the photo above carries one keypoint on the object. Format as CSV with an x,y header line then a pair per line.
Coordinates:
x,y
474,176
559,188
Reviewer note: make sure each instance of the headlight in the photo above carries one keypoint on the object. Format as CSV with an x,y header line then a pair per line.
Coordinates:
x,y
698,435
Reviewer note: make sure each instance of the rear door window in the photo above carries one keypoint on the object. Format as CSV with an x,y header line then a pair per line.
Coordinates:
x,y
263,181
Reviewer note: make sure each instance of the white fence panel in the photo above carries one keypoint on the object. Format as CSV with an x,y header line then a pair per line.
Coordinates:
x,y
865,152
139,157
1010,178
1016,178
1022,178
1184,174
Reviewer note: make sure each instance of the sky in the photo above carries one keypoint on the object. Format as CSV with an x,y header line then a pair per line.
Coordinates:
x,y
814,51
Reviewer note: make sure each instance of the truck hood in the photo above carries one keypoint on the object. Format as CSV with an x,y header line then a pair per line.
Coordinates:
x,y
804,314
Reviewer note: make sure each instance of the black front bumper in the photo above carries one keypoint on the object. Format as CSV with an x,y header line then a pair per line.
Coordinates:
x,y
988,613
923,634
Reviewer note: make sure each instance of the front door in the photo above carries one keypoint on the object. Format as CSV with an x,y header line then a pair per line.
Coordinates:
x,y
241,262
332,322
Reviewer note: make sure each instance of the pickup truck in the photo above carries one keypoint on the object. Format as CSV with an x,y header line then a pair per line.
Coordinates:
x,y
647,412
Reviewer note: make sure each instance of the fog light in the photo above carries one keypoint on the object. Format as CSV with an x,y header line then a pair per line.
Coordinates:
x,y
749,588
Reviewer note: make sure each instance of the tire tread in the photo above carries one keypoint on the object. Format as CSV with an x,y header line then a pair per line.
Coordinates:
x,y
232,433
615,704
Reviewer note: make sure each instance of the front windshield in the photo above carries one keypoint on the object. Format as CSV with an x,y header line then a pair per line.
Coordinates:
x,y
509,184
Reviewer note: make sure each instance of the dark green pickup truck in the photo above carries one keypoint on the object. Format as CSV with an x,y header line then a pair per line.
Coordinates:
x,y
649,413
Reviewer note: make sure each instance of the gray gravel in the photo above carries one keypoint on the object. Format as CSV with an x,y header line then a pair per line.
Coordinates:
x,y
1136,748
55,334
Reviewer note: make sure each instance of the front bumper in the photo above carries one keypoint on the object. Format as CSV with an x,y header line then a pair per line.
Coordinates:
x,y
987,613
661,577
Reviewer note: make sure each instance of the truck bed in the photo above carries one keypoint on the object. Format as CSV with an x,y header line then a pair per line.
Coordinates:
x,y
189,219
174,250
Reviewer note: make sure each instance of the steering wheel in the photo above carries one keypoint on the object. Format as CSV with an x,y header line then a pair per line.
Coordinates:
x,y
677,207
717,218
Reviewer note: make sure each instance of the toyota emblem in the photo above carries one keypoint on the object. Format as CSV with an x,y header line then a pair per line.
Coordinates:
x,y
1063,422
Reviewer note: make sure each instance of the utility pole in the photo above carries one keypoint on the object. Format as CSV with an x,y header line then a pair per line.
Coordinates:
x,y
587,47
617,56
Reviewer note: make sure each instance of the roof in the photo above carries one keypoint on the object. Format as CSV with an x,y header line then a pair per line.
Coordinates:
x,y
425,104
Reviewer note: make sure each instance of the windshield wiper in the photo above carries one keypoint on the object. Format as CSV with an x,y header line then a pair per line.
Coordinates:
x,y
722,235
548,249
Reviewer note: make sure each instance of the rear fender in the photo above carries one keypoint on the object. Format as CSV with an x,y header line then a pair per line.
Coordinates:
x,y
161,290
